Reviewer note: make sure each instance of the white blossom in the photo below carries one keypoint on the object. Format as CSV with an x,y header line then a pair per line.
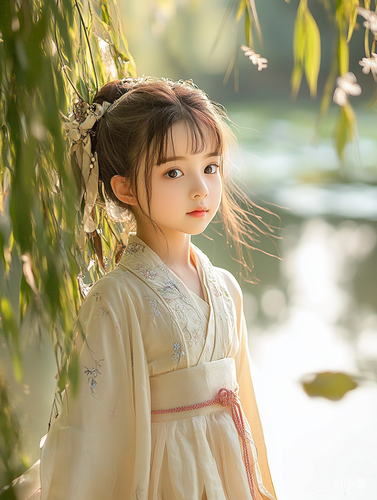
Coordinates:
x,y
348,83
346,86
262,63
339,97
369,64
371,19
256,59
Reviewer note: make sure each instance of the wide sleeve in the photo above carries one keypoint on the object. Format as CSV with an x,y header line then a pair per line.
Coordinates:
x,y
98,448
247,394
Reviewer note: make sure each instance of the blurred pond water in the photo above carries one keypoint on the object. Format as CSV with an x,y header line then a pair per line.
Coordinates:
x,y
316,309
313,310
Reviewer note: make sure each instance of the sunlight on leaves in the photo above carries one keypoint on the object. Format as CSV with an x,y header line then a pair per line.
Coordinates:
x,y
49,52
306,50
11,331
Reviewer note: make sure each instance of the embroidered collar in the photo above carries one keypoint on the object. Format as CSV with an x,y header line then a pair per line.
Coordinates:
x,y
148,258
142,261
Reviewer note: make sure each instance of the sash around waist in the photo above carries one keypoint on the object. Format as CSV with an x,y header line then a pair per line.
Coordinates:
x,y
190,386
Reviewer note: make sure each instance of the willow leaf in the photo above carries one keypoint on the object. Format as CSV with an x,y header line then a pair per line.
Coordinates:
x,y
343,55
352,19
240,10
313,52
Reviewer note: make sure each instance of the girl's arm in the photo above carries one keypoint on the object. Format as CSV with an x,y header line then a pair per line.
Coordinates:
x,y
90,452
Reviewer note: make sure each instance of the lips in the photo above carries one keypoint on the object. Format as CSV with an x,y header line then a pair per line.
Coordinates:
x,y
199,209
198,212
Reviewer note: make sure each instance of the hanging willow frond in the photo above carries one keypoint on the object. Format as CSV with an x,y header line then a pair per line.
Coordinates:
x,y
49,52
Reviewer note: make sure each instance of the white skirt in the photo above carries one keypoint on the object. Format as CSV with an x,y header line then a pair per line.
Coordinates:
x,y
196,454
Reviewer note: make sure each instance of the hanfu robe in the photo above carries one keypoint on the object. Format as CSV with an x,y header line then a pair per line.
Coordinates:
x,y
141,324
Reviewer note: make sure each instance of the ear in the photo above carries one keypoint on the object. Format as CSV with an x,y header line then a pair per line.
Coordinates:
x,y
122,190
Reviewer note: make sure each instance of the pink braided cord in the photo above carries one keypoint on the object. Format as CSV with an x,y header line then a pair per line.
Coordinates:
x,y
226,397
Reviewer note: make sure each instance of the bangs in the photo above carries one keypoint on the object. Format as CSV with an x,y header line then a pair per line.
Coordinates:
x,y
203,133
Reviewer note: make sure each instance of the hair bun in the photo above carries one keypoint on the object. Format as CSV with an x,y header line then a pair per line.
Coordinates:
x,y
112,91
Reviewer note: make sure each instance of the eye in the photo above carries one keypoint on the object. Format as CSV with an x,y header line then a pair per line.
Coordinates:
x,y
174,174
211,169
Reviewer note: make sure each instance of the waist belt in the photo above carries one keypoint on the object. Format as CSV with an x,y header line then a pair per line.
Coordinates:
x,y
200,390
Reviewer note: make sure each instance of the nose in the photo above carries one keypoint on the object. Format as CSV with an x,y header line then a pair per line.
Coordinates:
x,y
199,188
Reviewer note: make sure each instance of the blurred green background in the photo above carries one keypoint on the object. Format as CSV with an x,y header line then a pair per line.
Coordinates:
x,y
316,308
196,39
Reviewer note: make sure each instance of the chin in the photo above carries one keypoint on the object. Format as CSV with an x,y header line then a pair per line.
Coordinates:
x,y
197,231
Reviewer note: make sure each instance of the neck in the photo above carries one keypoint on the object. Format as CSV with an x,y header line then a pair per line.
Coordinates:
x,y
172,248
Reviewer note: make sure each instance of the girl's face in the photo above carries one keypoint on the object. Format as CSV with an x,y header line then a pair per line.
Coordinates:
x,y
186,190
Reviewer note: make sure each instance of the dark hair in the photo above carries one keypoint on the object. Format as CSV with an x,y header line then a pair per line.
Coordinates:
x,y
137,128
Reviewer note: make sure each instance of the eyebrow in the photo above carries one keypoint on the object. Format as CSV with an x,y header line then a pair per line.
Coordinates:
x,y
173,158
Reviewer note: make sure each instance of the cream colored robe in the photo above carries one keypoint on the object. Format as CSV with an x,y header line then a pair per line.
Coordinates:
x,y
140,321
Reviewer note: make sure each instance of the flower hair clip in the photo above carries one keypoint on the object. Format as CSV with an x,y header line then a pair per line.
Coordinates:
x,y
79,127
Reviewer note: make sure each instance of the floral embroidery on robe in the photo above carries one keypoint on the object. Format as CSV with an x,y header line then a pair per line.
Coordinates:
x,y
144,321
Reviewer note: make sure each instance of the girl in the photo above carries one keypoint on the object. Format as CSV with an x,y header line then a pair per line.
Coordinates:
x,y
165,407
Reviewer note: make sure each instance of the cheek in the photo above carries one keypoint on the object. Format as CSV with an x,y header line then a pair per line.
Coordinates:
x,y
166,196
216,189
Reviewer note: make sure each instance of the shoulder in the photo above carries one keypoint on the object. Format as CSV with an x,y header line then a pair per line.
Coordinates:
x,y
111,309
230,281
110,284
224,276
114,289
231,284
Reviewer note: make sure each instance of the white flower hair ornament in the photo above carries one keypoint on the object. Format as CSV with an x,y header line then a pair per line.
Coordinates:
x,y
79,126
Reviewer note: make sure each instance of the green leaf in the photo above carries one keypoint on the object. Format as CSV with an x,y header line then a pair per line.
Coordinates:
x,y
38,68
121,55
35,55
352,21
330,385
248,32
240,10
10,439
350,120
105,12
299,41
2,247
52,287
63,376
306,50
74,371
8,494
299,38
328,90
344,130
6,19
343,55
21,196
366,43
341,134
14,281
296,79
83,88
11,331
313,53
